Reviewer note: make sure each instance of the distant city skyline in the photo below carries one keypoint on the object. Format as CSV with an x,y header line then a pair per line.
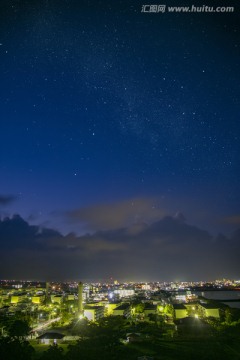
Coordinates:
x,y
119,142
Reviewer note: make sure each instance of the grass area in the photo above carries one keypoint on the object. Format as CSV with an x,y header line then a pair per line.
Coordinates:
x,y
181,349
200,349
40,348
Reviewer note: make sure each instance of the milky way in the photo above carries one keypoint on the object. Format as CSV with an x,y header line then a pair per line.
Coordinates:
x,y
104,105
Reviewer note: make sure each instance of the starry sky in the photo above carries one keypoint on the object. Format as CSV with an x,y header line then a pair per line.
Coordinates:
x,y
119,141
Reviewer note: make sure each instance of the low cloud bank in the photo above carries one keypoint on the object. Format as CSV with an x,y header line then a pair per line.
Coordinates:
x,y
167,249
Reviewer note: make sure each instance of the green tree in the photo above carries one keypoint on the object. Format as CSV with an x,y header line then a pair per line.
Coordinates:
x,y
112,322
98,340
80,328
54,352
18,329
66,316
139,308
4,323
12,349
169,310
228,316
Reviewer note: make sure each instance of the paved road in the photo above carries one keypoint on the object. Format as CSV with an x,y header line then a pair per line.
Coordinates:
x,y
45,324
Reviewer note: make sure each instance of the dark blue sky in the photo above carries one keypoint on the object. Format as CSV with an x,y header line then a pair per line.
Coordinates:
x,y
111,118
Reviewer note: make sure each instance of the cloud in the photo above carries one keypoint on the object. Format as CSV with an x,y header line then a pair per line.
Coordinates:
x,y
119,214
7,199
16,233
167,249
235,219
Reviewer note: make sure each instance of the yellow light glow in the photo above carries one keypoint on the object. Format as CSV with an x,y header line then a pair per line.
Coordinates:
x,y
196,316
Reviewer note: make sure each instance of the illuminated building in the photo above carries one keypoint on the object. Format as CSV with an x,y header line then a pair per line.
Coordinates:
x,y
122,310
180,311
56,299
208,310
15,299
110,308
124,292
150,309
94,313
38,299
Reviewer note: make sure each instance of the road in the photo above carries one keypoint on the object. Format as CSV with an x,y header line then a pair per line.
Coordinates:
x,y
45,324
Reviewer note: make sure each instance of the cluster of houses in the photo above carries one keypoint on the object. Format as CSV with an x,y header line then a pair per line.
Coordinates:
x,y
186,311
185,316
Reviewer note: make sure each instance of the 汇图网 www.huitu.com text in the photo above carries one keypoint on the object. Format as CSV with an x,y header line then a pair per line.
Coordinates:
x,y
186,9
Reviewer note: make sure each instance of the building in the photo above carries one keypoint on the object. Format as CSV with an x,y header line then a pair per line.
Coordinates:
x,y
110,308
124,292
94,313
39,299
50,338
70,297
208,310
180,311
150,309
56,299
122,310
15,299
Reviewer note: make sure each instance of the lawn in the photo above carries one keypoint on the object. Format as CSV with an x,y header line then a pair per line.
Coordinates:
x,y
199,349
205,348
40,348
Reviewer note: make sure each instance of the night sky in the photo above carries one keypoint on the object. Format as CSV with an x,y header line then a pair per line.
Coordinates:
x,y
119,141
